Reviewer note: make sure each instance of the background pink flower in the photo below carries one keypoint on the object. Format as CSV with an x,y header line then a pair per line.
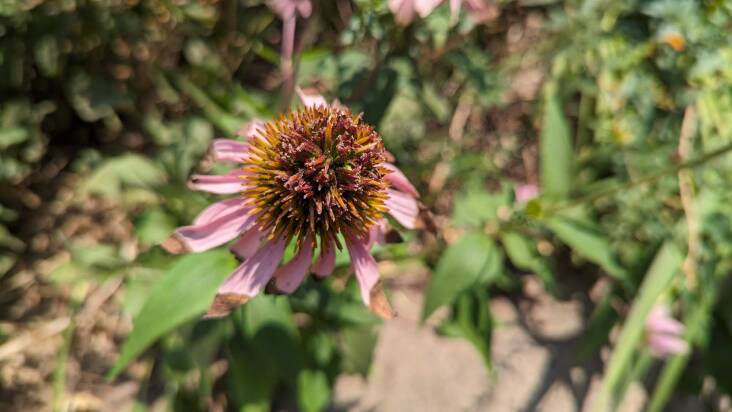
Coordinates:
x,y
664,333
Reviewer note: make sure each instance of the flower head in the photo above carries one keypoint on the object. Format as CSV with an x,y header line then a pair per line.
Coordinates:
x,y
314,174
317,176
664,333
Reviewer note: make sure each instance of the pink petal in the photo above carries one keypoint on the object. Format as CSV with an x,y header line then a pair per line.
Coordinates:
x,y
218,209
250,278
397,179
364,265
660,321
663,346
666,325
227,150
377,233
250,129
283,8
216,232
220,184
403,11
310,99
290,276
403,207
325,263
247,244
425,7
304,7
525,192
455,9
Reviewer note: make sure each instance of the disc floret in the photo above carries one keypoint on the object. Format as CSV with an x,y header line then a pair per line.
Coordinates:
x,y
315,173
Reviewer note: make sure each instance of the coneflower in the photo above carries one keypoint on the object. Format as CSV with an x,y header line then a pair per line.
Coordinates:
x,y
664,334
318,177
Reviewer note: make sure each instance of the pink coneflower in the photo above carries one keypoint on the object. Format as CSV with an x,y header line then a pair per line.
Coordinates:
x,y
525,192
317,177
479,10
405,10
664,333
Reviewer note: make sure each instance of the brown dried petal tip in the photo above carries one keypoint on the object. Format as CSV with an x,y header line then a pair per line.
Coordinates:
x,y
225,303
174,245
380,304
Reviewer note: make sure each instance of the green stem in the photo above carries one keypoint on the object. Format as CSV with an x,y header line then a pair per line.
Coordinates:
x,y
59,373
699,161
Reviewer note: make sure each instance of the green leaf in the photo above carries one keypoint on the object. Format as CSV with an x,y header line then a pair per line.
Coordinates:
x,y
597,331
473,259
128,170
589,243
313,391
555,147
357,348
7,240
475,206
471,319
154,226
47,55
183,293
13,135
522,252
101,256
697,325
268,322
223,120
251,381
665,265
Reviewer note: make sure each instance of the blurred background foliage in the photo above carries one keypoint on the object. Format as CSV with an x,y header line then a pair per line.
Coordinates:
x,y
109,105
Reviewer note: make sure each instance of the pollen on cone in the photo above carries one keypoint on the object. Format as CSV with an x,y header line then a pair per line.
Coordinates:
x,y
315,173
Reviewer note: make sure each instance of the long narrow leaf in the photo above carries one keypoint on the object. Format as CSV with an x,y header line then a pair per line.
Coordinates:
x,y
184,293
664,267
555,147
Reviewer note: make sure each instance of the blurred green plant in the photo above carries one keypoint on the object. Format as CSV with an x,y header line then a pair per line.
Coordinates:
x,y
134,92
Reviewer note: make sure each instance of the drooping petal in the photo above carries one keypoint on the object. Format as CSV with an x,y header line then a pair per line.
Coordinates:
x,y
399,181
364,266
325,263
247,244
250,278
288,277
227,150
403,207
197,238
310,99
663,346
220,184
219,209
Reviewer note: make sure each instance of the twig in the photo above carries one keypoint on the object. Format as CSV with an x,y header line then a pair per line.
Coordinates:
x,y
39,334
686,192
699,161
461,116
